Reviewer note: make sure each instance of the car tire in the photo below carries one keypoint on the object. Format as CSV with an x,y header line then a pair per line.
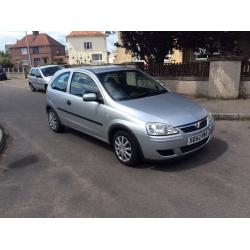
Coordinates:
x,y
126,148
33,89
54,121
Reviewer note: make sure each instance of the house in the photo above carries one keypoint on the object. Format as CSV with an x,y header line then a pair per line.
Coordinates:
x,y
122,55
7,48
87,47
40,47
111,57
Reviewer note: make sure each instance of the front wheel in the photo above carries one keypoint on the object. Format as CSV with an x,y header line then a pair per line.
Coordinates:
x,y
32,88
126,148
54,122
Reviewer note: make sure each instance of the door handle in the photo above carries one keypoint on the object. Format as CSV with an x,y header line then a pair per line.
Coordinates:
x,y
68,102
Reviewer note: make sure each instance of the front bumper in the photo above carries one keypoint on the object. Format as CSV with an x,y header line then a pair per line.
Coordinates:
x,y
166,147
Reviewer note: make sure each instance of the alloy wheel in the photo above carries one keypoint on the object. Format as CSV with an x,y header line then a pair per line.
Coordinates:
x,y
52,120
123,148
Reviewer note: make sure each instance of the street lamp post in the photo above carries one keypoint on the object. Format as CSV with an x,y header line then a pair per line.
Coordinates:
x,y
27,43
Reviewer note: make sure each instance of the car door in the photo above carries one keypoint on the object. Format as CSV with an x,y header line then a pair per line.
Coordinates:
x,y
87,116
39,79
32,76
58,97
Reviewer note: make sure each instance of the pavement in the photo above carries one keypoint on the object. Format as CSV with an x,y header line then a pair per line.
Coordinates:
x,y
238,109
234,109
43,174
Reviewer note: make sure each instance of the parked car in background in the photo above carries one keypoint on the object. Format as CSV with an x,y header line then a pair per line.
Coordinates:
x,y
39,77
3,75
127,108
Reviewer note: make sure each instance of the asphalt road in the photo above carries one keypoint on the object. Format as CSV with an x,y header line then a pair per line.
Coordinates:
x,y
43,174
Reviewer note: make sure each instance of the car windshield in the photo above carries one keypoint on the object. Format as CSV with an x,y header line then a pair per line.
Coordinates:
x,y
50,71
129,84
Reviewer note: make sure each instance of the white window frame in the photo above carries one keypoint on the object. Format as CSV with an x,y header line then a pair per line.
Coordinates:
x,y
97,54
87,45
25,62
24,51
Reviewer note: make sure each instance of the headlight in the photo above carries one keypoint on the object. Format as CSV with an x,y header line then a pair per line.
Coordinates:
x,y
210,117
156,128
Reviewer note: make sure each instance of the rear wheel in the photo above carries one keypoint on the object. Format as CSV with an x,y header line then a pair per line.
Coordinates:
x,y
126,148
54,121
33,89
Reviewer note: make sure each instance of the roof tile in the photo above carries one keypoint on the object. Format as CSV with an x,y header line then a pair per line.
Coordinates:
x,y
85,33
42,39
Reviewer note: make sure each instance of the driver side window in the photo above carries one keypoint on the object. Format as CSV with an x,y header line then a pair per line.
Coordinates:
x,y
82,84
38,74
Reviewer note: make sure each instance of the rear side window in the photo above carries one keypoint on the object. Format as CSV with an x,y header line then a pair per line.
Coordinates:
x,y
61,82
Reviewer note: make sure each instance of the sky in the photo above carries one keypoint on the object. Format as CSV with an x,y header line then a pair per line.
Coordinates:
x,y
10,37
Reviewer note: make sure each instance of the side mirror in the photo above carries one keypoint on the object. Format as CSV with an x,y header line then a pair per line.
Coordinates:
x,y
89,97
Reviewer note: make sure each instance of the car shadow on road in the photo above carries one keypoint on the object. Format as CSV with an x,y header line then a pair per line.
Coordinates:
x,y
215,149
88,138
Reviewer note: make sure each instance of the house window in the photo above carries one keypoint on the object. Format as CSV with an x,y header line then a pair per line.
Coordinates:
x,y
25,62
24,51
35,50
87,45
96,57
58,51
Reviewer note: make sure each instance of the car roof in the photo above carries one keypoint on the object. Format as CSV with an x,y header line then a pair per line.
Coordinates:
x,y
105,69
46,66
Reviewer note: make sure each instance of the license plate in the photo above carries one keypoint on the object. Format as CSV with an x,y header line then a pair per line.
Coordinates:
x,y
199,137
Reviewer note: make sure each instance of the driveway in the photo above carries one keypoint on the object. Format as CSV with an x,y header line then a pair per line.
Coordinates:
x,y
43,174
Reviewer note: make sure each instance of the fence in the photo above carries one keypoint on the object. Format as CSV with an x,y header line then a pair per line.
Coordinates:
x,y
16,72
192,69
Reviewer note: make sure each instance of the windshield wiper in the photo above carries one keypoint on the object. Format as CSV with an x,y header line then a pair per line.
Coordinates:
x,y
151,93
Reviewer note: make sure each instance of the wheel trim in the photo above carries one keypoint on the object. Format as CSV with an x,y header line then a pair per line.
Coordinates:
x,y
123,148
52,120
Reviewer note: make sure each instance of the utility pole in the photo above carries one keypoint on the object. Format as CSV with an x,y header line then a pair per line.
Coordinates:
x,y
28,48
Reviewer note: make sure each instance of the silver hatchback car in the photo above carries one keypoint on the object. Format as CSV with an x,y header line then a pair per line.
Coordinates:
x,y
130,110
39,77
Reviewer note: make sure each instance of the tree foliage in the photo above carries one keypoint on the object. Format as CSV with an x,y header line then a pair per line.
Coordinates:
x,y
153,46
5,60
148,45
229,43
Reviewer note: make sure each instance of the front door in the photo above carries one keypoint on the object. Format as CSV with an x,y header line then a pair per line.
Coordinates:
x,y
85,116
39,80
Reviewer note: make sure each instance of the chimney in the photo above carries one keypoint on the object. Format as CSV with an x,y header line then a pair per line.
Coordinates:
x,y
35,33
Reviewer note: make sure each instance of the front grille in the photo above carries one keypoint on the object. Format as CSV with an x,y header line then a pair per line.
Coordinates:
x,y
194,146
194,126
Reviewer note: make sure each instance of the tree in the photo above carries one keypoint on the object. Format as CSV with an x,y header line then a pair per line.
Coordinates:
x,y
153,46
150,46
5,60
227,43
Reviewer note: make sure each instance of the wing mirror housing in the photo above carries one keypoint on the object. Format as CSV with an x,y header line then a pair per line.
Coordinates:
x,y
89,97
